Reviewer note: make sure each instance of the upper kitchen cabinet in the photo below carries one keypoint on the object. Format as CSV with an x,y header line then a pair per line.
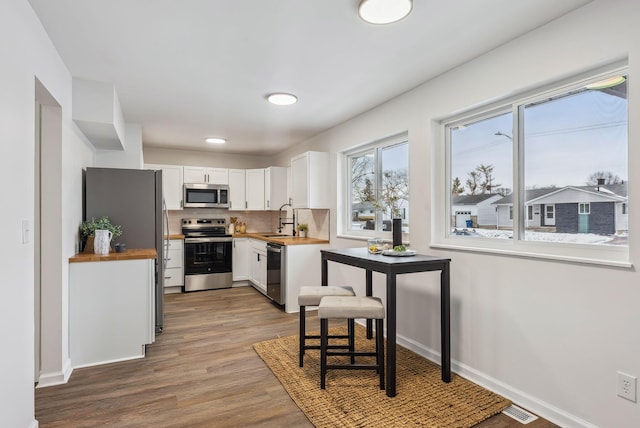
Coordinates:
x,y
237,190
171,184
196,174
275,187
255,189
310,180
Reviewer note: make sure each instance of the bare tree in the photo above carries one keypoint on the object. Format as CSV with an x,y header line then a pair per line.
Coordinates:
x,y
486,185
394,193
608,177
362,186
473,182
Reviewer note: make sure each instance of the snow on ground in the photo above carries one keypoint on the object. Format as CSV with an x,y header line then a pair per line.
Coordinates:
x,y
571,238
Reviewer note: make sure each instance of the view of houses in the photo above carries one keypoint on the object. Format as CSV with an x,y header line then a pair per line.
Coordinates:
x,y
594,209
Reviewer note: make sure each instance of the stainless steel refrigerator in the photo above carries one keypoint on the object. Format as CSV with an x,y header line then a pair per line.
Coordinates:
x,y
132,198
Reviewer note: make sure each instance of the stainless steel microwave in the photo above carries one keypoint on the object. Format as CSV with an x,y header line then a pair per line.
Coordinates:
x,y
202,195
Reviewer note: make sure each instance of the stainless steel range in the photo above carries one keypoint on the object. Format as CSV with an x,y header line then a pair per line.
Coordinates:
x,y
207,254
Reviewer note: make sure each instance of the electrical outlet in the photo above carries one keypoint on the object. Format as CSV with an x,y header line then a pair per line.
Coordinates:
x,y
626,386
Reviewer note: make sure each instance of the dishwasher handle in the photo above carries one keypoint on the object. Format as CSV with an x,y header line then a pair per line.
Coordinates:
x,y
274,248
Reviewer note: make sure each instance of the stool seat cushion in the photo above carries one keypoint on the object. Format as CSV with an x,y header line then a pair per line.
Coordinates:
x,y
351,307
311,296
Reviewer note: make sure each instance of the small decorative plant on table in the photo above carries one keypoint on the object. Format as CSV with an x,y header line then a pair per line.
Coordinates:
x,y
303,228
88,228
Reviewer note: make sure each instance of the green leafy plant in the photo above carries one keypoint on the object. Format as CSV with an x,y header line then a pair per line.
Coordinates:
x,y
302,227
88,228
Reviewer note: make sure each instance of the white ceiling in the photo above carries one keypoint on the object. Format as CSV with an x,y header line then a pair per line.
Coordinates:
x,y
188,69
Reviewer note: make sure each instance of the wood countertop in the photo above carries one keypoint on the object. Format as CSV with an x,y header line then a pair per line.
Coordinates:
x,y
285,240
129,254
174,236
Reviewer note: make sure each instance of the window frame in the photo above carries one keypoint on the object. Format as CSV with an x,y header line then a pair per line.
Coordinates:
x,y
377,146
517,246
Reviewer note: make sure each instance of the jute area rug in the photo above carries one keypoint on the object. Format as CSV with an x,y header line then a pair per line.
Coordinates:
x,y
353,397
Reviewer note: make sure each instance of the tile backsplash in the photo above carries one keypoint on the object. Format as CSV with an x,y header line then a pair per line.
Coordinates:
x,y
257,221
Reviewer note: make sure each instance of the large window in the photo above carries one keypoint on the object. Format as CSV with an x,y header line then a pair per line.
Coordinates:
x,y
378,186
547,168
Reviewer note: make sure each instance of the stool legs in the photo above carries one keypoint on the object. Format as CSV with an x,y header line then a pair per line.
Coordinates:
x,y
303,329
324,351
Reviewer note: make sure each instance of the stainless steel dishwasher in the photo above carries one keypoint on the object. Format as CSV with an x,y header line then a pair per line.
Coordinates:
x,y
276,284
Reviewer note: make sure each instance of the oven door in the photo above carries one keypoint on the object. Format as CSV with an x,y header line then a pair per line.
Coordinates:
x,y
207,255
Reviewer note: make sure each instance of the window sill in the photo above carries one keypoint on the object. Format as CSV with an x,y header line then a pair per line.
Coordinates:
x,y
530,254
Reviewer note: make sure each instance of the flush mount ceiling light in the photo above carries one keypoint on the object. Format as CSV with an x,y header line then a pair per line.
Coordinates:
x,y
282,99
606,83
215,140
384,11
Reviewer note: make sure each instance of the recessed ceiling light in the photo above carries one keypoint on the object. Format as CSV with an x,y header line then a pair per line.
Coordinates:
x,y
384,11
215,140
606,83
282,99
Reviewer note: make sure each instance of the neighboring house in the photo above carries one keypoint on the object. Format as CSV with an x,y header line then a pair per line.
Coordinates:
x,y
571,209
480,209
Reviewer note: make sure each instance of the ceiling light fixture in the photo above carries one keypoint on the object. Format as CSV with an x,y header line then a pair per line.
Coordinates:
x,y
282,99
606,83
384,11
215,140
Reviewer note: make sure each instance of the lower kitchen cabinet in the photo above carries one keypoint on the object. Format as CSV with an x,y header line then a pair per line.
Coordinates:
x,y
302,268
111,310
240,259
174,268
258,265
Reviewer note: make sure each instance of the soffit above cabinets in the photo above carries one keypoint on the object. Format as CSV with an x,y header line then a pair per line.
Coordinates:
x,y
97,112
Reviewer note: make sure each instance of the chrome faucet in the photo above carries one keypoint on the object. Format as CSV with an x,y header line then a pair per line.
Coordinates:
x,y
282,223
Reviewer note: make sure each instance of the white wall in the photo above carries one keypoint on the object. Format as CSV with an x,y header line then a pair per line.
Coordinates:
x,y
550,335
130,157
28,54
205,158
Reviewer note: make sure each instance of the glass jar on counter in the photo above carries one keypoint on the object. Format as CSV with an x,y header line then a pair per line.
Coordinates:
x,y
375,245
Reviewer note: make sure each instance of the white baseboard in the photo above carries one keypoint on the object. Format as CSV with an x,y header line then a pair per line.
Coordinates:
x,y
34,424
56,378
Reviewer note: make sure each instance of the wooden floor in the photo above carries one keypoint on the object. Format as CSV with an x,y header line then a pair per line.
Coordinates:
x,y
201,372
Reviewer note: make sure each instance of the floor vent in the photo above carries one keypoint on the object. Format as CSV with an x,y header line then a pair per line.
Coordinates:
x,y
519,414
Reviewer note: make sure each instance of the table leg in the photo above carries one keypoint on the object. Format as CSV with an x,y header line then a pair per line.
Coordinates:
x,y
391,335
445,323
369,292
324,271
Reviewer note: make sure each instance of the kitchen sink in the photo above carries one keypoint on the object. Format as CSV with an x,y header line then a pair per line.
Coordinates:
x,y
278,236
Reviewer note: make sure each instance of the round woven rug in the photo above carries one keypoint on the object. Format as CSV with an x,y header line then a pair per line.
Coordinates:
x,y
353,398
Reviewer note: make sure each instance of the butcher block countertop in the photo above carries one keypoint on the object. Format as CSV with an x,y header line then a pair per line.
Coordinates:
x,y
129,254
174,236
284,240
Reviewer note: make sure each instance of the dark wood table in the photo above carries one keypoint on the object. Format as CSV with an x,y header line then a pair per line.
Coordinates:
x,y
392,266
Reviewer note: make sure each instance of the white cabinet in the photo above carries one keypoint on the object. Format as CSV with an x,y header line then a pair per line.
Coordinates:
x,y
258,265
275,187
197,174
310,180
111,310
171,184
237,192
174,268
254,189
302,267
240,259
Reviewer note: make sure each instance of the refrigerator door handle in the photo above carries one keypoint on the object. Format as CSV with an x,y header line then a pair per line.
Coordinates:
x,y
166,236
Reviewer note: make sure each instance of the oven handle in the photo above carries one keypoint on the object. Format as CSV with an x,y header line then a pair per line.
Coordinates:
x,y
201,240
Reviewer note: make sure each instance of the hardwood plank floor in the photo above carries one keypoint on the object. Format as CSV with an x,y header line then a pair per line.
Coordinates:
x,y
201,372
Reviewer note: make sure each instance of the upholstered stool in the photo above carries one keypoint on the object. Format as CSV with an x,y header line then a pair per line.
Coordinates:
x,y
311,296
350,307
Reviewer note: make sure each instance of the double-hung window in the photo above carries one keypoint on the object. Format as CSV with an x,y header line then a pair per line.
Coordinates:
x,y
548,168
377,187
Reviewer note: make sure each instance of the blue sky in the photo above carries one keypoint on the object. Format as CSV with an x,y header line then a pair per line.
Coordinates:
x,y
566,140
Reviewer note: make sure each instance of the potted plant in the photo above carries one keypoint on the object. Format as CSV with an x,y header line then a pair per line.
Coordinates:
x,y
302,229
88,228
